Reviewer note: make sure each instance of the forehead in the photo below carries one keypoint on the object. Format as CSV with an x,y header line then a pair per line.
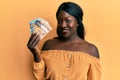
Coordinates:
x,y
63,14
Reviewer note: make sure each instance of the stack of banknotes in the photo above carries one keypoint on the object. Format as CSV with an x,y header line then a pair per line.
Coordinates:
x,y
41,26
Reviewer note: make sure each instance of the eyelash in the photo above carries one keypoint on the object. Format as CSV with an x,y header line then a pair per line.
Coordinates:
x,y
67,21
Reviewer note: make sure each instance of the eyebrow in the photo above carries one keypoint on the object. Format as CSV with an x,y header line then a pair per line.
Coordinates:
x,y
65,17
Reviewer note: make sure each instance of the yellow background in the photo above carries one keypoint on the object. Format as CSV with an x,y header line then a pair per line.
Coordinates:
x,y
102,24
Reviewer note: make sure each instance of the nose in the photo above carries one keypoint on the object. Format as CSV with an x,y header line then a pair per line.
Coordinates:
x,y
63,24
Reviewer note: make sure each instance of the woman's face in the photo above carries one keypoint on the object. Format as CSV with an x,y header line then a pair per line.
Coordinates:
x,y
67,25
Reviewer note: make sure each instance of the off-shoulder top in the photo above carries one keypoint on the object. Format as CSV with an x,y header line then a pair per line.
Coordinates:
x,y
67,65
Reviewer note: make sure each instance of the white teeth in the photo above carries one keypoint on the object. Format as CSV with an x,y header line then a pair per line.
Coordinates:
x,y
65,30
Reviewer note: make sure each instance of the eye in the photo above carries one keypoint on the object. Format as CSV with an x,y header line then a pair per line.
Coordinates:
x,y
68,20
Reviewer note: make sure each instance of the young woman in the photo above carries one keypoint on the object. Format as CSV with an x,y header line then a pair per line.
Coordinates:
x,y
68,56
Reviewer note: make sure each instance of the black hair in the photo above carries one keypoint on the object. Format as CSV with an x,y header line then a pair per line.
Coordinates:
x,y
76,11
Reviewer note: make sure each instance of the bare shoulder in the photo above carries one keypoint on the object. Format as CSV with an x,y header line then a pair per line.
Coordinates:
x,y
48,44
93,50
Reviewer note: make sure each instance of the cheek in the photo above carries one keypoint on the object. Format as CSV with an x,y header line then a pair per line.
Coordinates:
x,y
58,27
76,24
73,25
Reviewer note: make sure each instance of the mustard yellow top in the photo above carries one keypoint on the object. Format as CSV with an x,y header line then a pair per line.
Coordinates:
x,y
67,65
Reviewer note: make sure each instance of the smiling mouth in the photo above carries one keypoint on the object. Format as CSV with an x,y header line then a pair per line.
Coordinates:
x,y
65,30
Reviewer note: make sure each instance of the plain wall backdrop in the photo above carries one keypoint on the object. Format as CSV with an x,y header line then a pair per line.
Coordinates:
x,y
101,21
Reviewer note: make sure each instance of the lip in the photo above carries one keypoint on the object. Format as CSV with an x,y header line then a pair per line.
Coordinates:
x,y
65,30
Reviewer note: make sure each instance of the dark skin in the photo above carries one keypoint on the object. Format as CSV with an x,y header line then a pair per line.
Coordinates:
x,y
69,40
80,45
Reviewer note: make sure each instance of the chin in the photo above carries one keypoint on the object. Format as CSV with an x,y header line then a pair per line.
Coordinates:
x,y
63,37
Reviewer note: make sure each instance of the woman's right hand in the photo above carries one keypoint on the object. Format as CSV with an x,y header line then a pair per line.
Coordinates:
x,y
32,45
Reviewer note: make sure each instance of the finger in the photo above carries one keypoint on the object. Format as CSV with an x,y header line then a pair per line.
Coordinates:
x,y
31,36
31,40
36,41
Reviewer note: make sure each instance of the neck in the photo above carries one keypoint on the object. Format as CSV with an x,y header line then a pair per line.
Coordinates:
x,y
71,39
